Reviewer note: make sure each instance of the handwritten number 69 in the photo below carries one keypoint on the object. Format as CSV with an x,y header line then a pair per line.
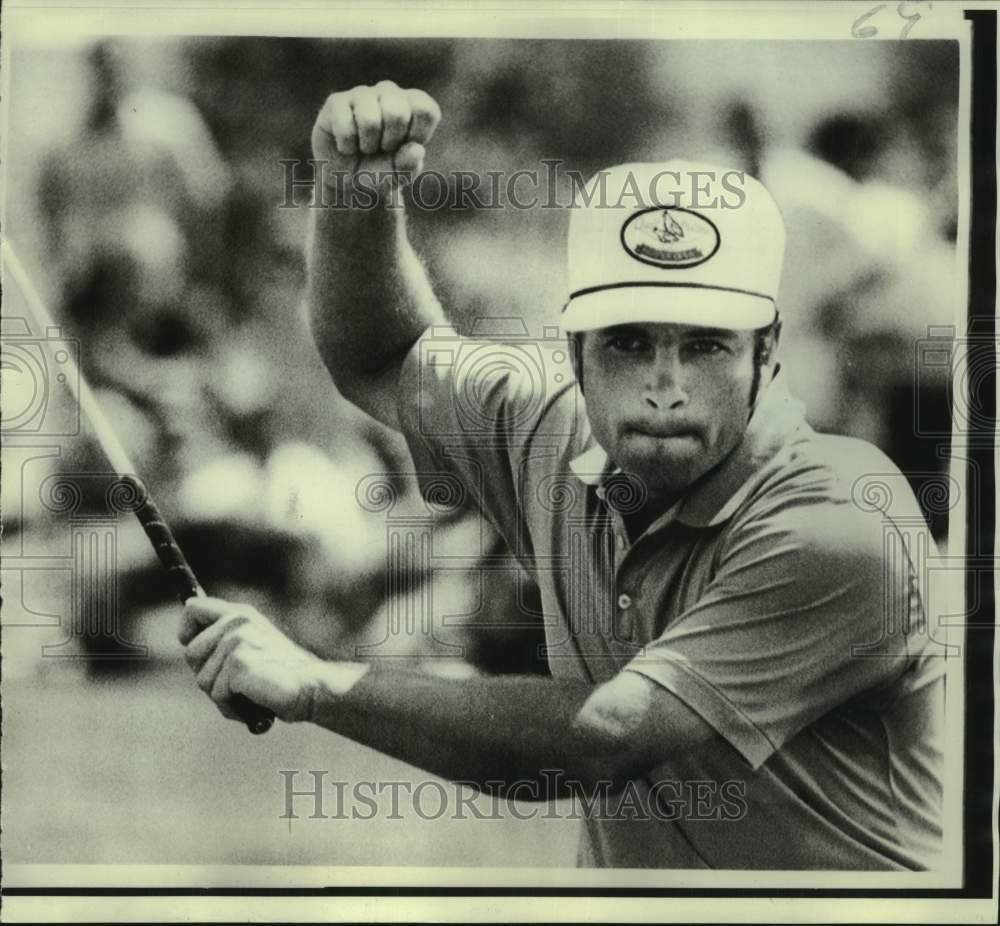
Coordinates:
x,y
861,31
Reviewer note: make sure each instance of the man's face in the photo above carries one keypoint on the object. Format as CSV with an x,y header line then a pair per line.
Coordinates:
x,y
667,402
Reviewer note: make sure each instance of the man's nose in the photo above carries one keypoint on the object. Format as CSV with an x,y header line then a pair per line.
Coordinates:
x,y
665,388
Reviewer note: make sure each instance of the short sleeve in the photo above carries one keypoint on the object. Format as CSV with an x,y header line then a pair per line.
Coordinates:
x,y
476,408
804,614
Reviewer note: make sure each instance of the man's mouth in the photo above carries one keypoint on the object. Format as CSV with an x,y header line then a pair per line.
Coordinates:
x,y
660,433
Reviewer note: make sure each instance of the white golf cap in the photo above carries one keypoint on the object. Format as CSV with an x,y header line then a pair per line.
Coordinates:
x,y
676,242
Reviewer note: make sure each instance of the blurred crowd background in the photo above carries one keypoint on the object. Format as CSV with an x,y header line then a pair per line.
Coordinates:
x,y
144,193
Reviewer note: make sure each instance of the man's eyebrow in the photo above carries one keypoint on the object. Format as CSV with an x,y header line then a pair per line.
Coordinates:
x,y
721,333
626,328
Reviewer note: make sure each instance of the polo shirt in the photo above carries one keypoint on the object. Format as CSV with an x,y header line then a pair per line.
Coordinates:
x,y
768,599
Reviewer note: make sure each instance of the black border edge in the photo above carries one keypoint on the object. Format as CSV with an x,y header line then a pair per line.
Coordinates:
x,y
981,489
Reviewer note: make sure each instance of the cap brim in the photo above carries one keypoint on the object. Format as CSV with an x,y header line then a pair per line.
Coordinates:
x,y
684,305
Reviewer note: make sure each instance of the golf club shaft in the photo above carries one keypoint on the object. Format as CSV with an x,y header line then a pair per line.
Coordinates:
x,y
182,579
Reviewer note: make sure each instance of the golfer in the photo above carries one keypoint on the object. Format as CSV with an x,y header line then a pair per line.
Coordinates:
x,y
727,642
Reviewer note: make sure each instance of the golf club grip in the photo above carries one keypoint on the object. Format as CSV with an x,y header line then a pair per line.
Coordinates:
x,y
185,585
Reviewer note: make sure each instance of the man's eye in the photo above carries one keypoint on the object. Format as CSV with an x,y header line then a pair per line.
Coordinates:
x,y
626,345
706,347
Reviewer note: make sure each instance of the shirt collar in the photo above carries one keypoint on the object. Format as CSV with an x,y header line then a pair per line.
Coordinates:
x,y
716,497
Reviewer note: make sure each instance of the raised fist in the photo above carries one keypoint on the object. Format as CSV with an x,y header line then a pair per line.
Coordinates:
x,y
380,129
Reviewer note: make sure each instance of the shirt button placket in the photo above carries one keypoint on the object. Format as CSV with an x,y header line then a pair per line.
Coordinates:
x,y
626,621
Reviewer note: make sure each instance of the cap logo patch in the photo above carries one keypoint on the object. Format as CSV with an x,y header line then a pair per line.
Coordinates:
x,y
670,237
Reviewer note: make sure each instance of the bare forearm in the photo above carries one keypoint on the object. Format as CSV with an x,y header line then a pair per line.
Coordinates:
x,y
491,731
368,296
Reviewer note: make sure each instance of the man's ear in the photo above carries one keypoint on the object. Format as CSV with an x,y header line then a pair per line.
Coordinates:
x,y
770,345
574,344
